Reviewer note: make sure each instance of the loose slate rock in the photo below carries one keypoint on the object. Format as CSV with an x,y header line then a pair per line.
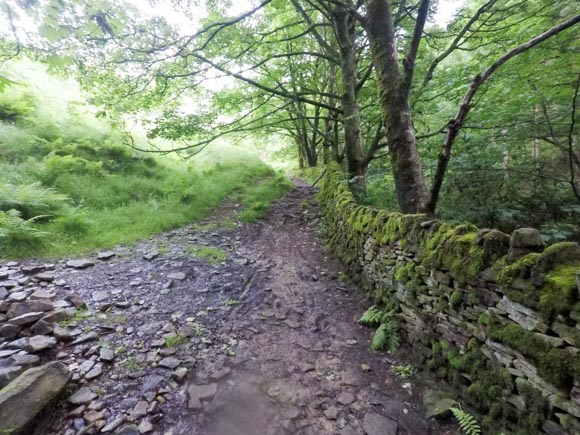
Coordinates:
x,y
170,363
90,336
42,328
150,255
106,354
39,342
106,255
41,294
25,360
82,396
26,319
180,276
18,296
140,410
82,263
39,386
9,331
7,374
18,309
95,372
100,295
376,424
45,276
5,353
145,426
61,334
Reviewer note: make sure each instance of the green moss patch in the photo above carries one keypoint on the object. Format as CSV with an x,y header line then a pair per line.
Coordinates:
x,y
560,292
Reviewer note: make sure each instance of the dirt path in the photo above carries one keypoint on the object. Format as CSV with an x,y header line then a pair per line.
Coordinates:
x,y
264,342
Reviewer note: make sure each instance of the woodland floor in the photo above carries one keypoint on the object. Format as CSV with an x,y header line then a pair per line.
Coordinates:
x,y
265,342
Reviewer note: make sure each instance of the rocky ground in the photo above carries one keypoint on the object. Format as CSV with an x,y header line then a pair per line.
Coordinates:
x,y
215,328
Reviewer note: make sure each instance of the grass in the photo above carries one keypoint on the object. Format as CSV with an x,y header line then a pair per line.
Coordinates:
x,y
175,340
208,253
69,186
257,198
80,315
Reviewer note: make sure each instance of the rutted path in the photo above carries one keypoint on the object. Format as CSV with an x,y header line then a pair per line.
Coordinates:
x,y
265,342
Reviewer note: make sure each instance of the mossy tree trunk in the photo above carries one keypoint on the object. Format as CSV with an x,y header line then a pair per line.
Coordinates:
x,y
357,161
394,88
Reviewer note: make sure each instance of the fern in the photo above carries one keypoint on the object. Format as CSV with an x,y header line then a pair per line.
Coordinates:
x,y
467,422
386,337
371,317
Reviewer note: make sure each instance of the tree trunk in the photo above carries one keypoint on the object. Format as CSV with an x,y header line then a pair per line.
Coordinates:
x,y
394,92
355,155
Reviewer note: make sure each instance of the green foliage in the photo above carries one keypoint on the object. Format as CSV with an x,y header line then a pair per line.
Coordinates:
x,y
404,371
175,340
554,365
32,200
208,253
372,317
467,422
18,235
387,335
259,197
77,187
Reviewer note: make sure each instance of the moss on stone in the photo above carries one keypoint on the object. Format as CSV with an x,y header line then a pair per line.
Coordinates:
x,y
405,272
559,292
456,298
518,269
453,247
554,365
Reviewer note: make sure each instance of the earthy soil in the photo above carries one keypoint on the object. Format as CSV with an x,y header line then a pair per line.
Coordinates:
x,y
263,342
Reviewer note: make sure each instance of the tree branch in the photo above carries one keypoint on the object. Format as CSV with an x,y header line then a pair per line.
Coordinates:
x,y
456,123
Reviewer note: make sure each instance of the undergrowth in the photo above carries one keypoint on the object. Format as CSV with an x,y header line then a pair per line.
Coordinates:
x,y
68,184
387,334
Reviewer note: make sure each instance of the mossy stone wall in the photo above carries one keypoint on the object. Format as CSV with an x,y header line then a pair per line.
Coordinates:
x,y
496,315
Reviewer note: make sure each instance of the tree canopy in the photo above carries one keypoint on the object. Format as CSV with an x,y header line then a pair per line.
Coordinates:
x,y
374,84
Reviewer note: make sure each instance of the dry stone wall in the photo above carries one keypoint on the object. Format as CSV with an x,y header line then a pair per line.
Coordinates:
x,y
496,315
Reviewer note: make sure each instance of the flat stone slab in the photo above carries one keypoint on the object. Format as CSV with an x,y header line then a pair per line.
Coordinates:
x,y
18,309
170,362
82,263
29,395
106,255
26,319
82,396
100,295
39,342
180,276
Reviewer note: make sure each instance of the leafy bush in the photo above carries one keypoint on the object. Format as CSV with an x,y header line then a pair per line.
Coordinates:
x,y
55,165
18,235
32,200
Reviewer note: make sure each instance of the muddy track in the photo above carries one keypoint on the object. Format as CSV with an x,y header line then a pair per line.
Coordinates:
x,y
264,342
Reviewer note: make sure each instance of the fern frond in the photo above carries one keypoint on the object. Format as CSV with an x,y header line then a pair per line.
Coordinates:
x,y
467,422
380,338
371,317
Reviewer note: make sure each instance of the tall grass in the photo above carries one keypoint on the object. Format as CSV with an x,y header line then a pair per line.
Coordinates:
x,y
68,185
